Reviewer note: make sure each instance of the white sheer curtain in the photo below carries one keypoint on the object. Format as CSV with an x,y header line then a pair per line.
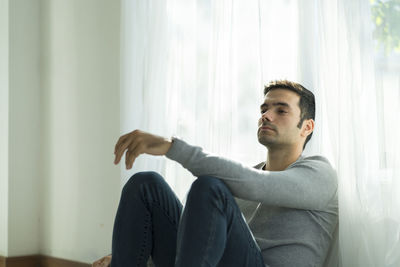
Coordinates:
x,y
337,59
191,68
196,69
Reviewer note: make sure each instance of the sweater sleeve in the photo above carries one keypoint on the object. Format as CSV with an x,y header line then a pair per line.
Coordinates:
x,y
309,183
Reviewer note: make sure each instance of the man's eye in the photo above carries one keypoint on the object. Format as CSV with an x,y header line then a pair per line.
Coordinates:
x,y
282,111
263,111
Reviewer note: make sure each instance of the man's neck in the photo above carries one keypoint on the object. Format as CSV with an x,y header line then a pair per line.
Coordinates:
x,y
280,159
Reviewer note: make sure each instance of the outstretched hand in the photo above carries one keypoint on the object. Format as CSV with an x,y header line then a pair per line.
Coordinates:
x,y
139,142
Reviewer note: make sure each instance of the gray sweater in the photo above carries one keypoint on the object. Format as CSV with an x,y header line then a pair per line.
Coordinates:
x,y
291,213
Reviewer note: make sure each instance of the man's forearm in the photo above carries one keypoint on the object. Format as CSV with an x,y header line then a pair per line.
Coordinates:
x,y
309,184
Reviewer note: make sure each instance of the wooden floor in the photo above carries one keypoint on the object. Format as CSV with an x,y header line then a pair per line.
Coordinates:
x,y
38,261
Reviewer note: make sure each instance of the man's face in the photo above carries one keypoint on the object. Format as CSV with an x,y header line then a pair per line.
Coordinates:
x,y
280,115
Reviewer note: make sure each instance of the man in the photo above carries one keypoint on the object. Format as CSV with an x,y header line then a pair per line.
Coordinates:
x,y
289,201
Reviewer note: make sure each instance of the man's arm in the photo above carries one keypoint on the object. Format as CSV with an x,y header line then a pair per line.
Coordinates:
x,y
308,184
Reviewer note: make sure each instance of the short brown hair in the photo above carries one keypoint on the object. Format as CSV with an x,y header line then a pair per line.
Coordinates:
x,y
306,103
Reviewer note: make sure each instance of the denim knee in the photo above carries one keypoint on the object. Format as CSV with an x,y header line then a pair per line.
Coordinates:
x,y
133,184
208,185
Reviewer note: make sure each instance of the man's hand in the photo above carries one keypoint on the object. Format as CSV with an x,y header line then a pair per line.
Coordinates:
x,y
139,142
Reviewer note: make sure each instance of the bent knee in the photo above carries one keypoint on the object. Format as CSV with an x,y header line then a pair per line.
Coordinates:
x,y
206,183
142,178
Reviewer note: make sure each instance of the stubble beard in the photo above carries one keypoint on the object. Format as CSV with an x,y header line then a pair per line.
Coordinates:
x,y
265,140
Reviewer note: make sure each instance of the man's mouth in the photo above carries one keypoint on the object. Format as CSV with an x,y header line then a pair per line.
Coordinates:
x,y
266,128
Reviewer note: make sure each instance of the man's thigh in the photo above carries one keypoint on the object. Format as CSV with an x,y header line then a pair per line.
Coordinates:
x,y
241,248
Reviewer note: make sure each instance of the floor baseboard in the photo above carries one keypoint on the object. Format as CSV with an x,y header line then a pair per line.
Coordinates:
x,y
2,261
39,261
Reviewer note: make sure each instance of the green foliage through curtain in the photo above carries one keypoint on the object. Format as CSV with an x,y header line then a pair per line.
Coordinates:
x,y
386,18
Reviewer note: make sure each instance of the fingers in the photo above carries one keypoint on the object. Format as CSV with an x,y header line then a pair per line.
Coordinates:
x,y
133,152
132,144
136,143
120,142
124,139
119,153
121,146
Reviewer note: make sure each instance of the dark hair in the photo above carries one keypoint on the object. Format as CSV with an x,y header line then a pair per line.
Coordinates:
x,y
306,103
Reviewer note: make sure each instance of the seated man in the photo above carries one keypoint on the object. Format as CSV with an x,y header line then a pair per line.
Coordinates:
x,y
289,202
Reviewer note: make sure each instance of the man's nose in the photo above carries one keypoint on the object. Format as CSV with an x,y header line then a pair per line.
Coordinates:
x,y
266,116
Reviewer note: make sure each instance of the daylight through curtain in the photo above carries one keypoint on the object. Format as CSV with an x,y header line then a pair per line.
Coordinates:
x,y
196,69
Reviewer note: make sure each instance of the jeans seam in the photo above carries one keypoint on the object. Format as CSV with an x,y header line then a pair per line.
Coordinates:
x,y
152,202
255,250
144,243
210,239
155,203
245,227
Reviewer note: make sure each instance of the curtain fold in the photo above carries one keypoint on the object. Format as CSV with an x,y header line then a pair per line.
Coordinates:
x,y
196,69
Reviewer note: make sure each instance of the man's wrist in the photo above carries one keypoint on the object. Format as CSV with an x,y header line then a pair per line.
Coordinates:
x,y
168,144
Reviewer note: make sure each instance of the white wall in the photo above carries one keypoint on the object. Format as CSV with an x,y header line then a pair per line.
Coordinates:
x,y
4,127
81,186
24,128
59,103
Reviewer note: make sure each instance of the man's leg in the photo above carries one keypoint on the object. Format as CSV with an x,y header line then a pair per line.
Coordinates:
x,y
212,230
146,222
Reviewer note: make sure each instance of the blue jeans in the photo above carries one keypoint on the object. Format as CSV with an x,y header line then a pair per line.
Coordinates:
x,y
210,232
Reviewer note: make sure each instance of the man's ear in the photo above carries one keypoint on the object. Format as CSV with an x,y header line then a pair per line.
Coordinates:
x,y
308,127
